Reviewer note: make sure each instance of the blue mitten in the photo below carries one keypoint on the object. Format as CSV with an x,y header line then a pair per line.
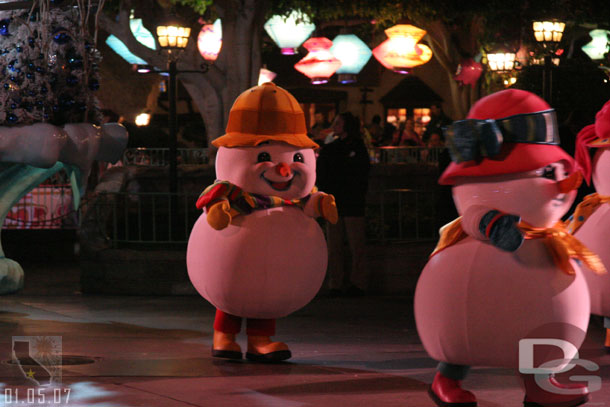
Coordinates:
x,y
501,229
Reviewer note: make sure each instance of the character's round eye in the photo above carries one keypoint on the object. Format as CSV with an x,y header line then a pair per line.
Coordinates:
x,y
549,172
298,158
264,156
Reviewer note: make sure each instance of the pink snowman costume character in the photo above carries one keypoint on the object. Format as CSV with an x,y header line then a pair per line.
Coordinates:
x,y
505,269
590,223
257,252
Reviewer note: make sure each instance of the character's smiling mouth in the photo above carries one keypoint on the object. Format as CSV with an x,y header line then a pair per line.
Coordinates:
x,y
279,186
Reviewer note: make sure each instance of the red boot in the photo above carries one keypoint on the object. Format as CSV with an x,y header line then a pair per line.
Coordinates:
x,y
607,344
535,396
447,392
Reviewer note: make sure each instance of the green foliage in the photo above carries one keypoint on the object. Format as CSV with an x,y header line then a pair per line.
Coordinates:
x,y
199,6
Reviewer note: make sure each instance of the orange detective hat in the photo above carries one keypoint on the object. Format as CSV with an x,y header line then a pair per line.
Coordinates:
x,y
265,113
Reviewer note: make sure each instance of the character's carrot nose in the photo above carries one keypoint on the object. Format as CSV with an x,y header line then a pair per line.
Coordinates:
x,y
283,169
571,183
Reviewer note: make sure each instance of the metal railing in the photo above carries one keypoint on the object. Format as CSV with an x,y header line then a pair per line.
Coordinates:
x,y
145,217
402,155
138,218
159,157
406,214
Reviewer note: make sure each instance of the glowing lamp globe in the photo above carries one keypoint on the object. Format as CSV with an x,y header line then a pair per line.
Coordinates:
x,y
353,54
319,64
401,50
501,61
141,34
548,33
173,34
598,45
143,119
289,32
209,40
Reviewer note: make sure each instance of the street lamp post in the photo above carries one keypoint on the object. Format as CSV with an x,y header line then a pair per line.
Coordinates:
x,y
173,37
548,33
173,142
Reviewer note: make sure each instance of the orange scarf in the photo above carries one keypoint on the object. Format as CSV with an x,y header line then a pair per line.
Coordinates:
x,y
561,245
585,209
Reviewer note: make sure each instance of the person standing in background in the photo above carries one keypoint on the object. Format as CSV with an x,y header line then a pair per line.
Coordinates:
x,y
438,120
321,123
376,130
408,136
342,170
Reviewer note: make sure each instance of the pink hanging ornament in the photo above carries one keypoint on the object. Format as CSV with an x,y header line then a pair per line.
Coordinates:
x,y
468,72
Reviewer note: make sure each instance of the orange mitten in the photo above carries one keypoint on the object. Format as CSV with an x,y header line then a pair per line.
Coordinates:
x,y
328,207
218,215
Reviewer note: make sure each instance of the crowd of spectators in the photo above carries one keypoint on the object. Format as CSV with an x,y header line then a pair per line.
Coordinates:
x,y
380,133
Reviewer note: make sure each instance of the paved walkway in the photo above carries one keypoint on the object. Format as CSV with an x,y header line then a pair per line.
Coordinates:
x,y
155,351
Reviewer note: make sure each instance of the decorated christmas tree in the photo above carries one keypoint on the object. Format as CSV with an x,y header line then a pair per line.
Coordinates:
x,y
49,66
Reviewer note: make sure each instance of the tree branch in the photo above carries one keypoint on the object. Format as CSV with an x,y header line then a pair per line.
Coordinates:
x,y
439,40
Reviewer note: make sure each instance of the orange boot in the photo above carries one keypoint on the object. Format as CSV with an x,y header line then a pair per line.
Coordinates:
x,y
607,344
225,346
262,349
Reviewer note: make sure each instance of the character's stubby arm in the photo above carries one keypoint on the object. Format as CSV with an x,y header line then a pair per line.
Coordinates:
x,y
217,206
219,216
321,204
499,228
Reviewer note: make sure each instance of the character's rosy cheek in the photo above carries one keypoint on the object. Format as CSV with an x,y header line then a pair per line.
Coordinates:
x,y
259,168
299,166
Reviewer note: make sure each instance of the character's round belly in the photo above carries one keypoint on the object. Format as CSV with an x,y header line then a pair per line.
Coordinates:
x,y
264,265
474,303
595,234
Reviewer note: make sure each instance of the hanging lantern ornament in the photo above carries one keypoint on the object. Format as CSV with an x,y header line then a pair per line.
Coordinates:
x,y
353,54
319,64
401,50
598,46
468,72
289,32
140,32
209,41
265,75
